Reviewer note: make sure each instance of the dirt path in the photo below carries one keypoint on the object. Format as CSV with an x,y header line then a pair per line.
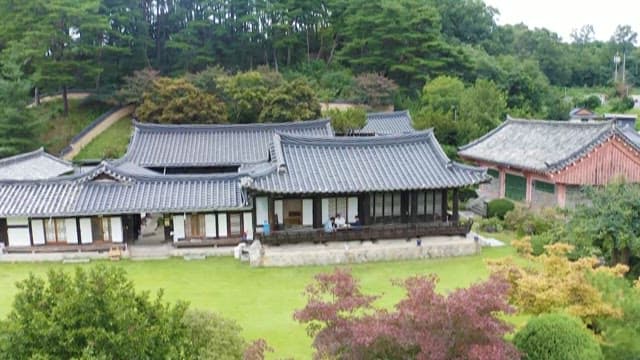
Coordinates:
x,y
70,96
97,130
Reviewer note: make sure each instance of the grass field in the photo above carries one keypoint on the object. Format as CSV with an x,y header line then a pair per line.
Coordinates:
x,y
112,143
262,300
56,131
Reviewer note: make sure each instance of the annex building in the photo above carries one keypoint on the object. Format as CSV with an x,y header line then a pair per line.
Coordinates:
x,y
211,185
546,163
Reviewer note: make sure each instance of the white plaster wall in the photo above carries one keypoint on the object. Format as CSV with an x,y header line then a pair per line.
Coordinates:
x,y
116,230
19,236
222,225
325,210
17,221
86,235
352,208
307,212
178,227
72,230
278,210
210,225
37,230
262,210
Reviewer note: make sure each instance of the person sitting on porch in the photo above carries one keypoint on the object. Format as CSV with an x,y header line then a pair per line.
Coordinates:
x,y
340,221
329,226
356,222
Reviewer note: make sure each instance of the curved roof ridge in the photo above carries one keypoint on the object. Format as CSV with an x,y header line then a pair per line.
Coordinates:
x,y
24,156
375,113
356,140
222,127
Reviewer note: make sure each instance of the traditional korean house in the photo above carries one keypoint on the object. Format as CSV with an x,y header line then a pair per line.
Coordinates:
x,y
219,184
546,163
205,149
103,207
395,179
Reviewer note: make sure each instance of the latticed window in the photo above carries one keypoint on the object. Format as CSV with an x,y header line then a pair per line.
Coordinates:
x,y
515,187
544,187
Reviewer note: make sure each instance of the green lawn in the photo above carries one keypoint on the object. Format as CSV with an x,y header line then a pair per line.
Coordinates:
x,y
262,300
112,143
56,131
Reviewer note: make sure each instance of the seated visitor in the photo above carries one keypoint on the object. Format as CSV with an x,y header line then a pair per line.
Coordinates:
x,y
356,222
329,226
340,221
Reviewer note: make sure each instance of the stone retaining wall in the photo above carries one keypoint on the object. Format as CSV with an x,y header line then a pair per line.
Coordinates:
x,y
357,252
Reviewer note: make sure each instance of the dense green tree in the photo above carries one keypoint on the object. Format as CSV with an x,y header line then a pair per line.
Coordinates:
x,y
246,93
176,101
17,126
60,43
557,337
620,333
443,93
97,314
468,21
115,321
610,222
482,107
291,101
345,121
135,86
400,39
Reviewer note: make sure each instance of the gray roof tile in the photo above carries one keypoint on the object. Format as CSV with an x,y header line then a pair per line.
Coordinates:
x,y
361,164
541,145
111,190
33,165
388,123
155,145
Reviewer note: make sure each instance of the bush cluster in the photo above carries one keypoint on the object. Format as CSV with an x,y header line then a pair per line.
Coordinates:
x,y
499,208
557,337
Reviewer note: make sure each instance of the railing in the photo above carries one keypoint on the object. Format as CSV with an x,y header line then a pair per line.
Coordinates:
x,y
364,233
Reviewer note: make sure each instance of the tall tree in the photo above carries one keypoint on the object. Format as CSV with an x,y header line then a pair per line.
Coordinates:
x,y
17,125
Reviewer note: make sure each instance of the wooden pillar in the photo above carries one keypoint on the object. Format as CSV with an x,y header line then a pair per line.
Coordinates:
x,y
78,232
317,212
4,234
272,210
414,206
503,178
445,204
456,201
561,195
404,207
364,208
528,194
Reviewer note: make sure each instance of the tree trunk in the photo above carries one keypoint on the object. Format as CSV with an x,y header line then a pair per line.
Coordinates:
x,y
333,48
37,95
65,100
625,255
275,59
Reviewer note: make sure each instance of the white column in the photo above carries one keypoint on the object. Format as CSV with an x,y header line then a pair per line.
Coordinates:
x,y
178,227
222,225
248,224
117,234
210,225
307,212
86,233
37,230
72,230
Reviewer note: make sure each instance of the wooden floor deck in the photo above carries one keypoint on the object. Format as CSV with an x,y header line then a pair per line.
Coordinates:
x,y
60,248
368,233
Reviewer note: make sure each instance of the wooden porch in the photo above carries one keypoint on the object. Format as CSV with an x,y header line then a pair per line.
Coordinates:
x,y
195,243
368,233
36,249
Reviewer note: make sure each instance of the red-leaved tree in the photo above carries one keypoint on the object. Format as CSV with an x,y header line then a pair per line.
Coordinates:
x,y
424,325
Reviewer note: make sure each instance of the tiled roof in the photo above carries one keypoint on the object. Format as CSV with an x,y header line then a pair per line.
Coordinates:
x,y
540,145
111,190
33,165
155,145
388,123
361,164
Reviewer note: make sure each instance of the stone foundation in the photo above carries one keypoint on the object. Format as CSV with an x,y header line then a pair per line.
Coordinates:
x,y
360,252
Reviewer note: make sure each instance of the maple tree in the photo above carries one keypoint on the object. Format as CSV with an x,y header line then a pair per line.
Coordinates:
x,y
464,324
552,282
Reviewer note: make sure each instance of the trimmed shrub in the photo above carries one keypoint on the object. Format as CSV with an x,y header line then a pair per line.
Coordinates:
x,y
557,337
532,222
490,225
499,208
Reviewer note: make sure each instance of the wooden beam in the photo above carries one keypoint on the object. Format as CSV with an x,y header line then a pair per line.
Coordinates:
x,y
456,201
